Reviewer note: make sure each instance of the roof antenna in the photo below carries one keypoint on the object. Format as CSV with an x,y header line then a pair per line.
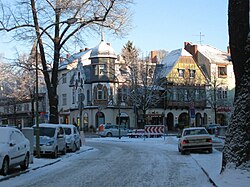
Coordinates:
x,y
200,35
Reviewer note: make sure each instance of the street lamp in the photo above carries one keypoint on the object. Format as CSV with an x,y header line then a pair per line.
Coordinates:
x,y
68,21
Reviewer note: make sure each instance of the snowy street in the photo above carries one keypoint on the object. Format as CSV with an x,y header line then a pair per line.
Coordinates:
x,y
124,162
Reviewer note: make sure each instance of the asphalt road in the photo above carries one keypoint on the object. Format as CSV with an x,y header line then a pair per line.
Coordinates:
x,y
117,164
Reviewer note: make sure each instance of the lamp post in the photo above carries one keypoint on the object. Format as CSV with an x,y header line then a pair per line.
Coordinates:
x,y
68,21
119,107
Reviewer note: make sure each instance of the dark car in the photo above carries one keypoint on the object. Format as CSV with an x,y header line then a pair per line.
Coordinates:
x,y
211,128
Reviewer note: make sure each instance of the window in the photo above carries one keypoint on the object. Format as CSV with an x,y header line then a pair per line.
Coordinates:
x,y
26,107
88,96
101,69
73,96
64,78
222,93
191,73
19,108
222,71
181,72
64,99
99,94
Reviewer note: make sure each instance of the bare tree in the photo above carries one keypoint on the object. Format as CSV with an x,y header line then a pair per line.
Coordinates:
x,y
57,23
17,85
237,144
144,88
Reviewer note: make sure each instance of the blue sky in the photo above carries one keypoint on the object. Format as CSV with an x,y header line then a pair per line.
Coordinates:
x,y
167,24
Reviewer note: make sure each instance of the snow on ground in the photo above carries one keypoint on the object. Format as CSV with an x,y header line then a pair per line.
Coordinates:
x,y
210,163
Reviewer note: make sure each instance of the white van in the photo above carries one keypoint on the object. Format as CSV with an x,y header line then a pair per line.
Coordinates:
x,y
73,137
52,139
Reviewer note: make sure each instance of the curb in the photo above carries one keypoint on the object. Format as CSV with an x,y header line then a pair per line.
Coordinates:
x,y
210,179
42,166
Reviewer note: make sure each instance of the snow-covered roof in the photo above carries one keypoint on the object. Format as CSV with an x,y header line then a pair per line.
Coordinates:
x,y
214,55
83,55
171,59
103,50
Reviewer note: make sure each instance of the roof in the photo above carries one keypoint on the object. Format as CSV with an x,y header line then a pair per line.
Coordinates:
x,y
84,55
171,59
103,50
214,55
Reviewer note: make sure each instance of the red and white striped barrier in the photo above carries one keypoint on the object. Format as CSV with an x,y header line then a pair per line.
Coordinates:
x,y
154,130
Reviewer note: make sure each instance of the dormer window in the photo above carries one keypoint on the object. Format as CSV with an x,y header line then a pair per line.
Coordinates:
x,y
222,71
181,72
191,73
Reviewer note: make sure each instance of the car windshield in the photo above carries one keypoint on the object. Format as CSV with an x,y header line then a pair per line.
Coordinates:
x,y
194,132
67,130
3,137
45,131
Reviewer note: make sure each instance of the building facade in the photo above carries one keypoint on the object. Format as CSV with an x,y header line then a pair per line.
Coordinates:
x,y
218,67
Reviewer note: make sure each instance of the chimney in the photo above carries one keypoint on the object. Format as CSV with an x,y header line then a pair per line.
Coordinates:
x,y
108,44
68,55
61,60
86,49
192,49
228,50
81,50
154,56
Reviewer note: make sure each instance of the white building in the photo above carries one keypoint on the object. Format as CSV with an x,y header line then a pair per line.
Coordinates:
x,y
88,87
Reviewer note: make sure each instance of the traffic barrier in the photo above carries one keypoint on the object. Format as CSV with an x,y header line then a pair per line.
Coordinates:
x,y
154,130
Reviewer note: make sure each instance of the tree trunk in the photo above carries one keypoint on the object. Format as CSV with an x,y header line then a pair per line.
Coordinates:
x,y
237,143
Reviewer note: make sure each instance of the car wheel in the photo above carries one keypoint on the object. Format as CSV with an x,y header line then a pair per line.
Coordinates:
x,y
80,145
64,150
74,148
5,167
183,152
25,164
210,150
55,153
109,134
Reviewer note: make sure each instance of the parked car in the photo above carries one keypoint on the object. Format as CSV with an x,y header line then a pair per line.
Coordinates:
x,y
211,128
195,138
52,139
109,130
73,137
14,149
220,132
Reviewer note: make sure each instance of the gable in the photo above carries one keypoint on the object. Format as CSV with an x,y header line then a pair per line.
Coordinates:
x,y
186,72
